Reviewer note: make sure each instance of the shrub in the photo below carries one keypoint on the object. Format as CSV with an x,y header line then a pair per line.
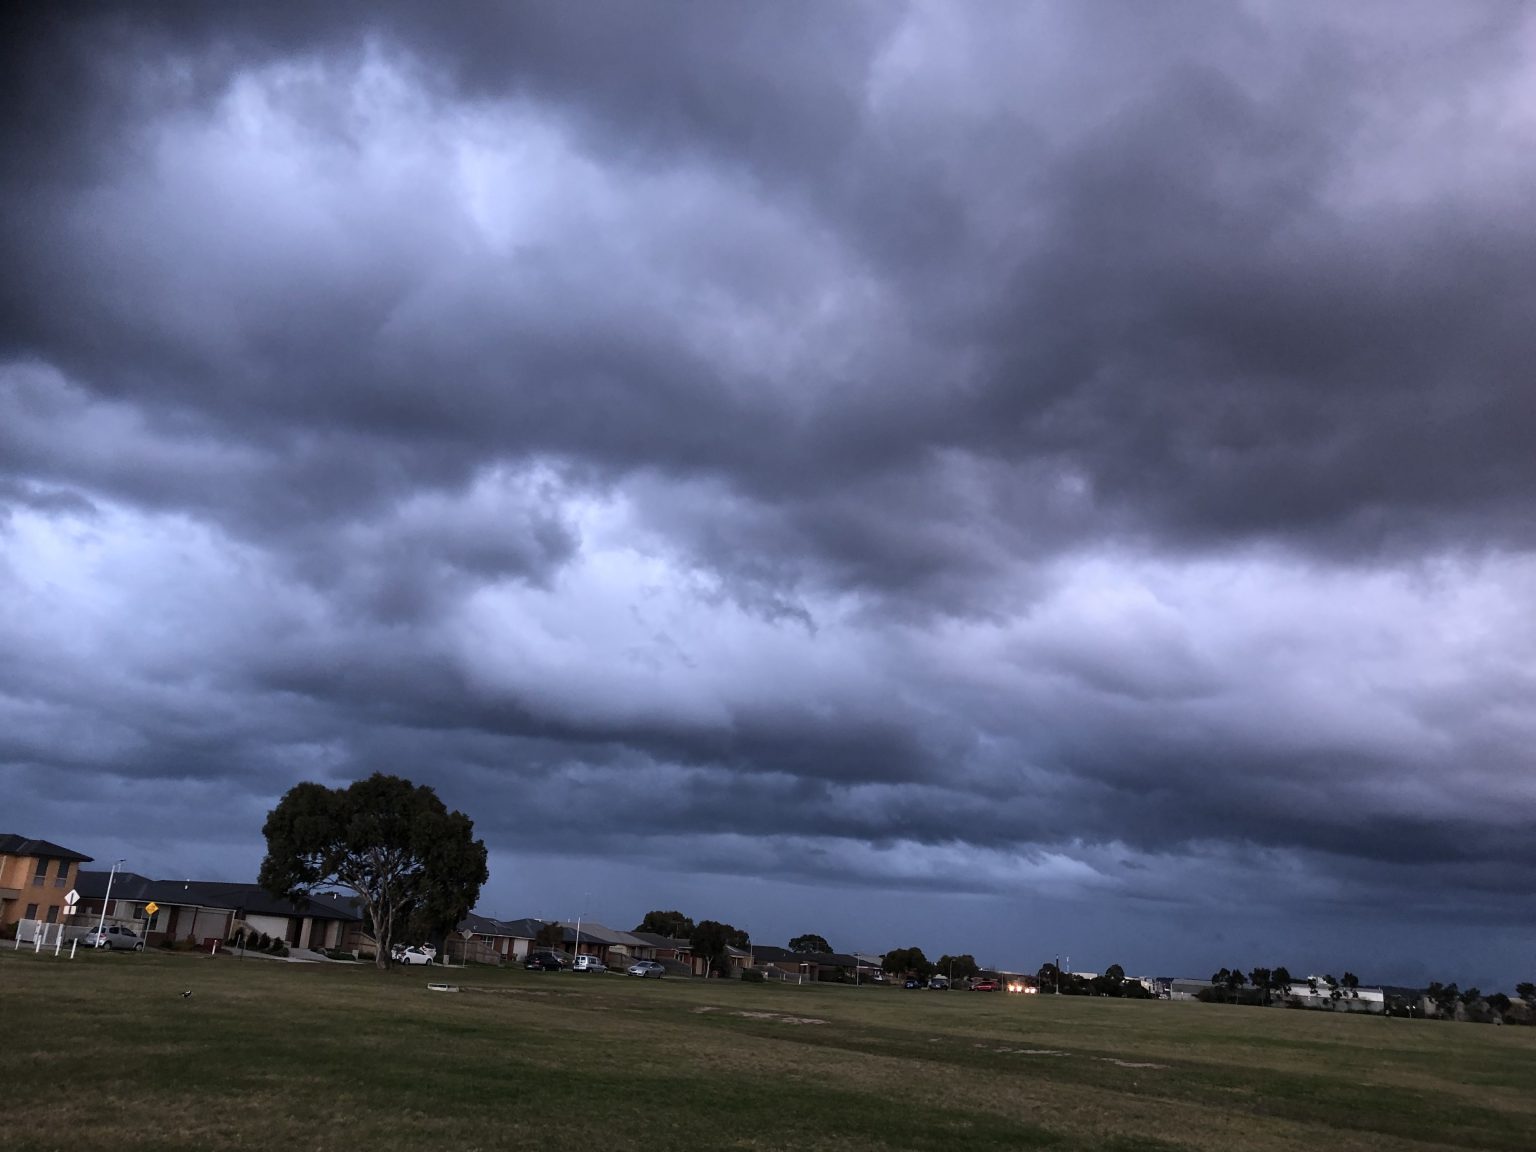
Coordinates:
x,y
168,944
753,976
277,948
368,956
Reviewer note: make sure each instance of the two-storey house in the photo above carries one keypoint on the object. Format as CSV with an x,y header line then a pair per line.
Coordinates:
x,y
35,876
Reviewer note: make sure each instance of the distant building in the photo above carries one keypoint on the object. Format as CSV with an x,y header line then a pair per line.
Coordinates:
x,y
1315,992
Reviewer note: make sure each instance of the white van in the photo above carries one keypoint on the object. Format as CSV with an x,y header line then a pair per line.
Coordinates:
x,y
588,964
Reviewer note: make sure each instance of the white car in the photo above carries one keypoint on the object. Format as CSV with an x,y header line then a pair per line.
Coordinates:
x,y
647,968
420,954
113,938
588,964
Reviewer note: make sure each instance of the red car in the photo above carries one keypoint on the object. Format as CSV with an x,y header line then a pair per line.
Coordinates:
x,y
984,986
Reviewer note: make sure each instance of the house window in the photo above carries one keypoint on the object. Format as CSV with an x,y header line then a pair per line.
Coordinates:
x,y
61,877
53,913
31,912
42,872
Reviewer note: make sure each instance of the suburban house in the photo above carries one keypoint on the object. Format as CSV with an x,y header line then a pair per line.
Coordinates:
x,y
486,940
811,966
35,876
736,959
207,910
654,946
615,948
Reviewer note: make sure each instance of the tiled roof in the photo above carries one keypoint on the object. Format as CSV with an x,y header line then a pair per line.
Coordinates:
x,y
13,845
251,899
594,933
656,940
525,929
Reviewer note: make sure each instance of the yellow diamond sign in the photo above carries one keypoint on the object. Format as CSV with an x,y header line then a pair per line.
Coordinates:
x,y
151,908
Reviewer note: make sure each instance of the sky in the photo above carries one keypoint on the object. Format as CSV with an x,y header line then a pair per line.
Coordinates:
x,y
1026,479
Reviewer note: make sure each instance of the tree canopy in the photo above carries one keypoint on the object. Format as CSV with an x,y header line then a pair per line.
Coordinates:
x,y
899,961
710,938
960,967
415,866
673,924
809,943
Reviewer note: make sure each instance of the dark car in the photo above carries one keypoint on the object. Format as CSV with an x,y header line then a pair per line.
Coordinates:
x,y
913,983
544,962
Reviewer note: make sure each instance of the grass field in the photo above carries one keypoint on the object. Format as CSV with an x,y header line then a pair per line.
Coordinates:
x,y
105,1052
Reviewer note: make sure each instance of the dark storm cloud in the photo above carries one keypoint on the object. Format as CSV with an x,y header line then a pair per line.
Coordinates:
x,y
953,447
1201,325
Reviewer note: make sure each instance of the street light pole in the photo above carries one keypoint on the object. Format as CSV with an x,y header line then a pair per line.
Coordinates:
x,y
107,899
585,897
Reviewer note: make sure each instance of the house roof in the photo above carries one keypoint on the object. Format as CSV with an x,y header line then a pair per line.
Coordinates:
x,y
657,940
250,899
479,926
125,885
525,929
14,845
594,933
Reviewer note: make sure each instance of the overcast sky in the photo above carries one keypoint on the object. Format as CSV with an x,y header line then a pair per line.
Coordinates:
x,y
1024,479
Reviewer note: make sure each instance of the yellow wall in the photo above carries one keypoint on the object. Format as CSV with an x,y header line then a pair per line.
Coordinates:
x,y
20,872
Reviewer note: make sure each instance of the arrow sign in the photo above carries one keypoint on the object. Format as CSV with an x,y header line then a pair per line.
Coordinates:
x,y
151,908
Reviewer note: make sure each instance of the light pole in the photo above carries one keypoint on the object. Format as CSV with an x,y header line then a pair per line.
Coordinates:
x,y
584,898
107,899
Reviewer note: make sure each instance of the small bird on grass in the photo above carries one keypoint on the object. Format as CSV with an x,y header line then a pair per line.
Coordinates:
x,y
186,994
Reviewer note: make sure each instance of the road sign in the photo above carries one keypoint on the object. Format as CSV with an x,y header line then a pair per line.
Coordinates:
x,y
151,908
71,898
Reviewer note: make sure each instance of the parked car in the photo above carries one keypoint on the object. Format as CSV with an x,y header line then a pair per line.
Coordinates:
x,y
588,964
545,962
646,968
913,982
983,985
114,938
416,954
939,983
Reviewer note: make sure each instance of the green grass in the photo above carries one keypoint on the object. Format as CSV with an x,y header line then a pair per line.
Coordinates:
x,y
103,1051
